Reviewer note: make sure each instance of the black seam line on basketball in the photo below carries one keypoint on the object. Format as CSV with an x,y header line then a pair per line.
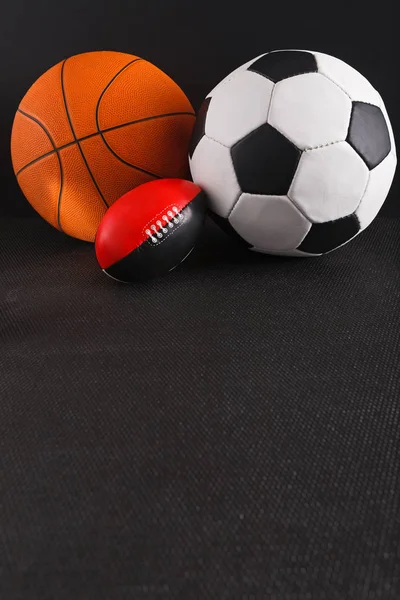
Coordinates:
x,y
74,134
55,151
102,135
174,114
91,135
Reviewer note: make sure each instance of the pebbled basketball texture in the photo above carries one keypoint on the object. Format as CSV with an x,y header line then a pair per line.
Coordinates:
x,y
93,127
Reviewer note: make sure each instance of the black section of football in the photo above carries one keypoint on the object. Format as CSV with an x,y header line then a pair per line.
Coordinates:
x,y
324,237
265,162
284,63
200,126
225,225
154,259
368,133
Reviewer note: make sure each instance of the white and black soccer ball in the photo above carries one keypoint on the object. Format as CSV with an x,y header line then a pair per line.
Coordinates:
x,y
295,151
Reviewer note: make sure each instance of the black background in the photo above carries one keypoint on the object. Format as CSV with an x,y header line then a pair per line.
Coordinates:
x,y
196,43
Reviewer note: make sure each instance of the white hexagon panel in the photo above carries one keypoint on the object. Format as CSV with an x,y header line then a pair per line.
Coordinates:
x,y
330,182
212,169
269,223
310,111
355,85
238,107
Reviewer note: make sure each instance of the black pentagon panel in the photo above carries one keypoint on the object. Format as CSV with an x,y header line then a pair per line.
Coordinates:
x,y
284,63
200,126
265,162
368,133
225,225
324,237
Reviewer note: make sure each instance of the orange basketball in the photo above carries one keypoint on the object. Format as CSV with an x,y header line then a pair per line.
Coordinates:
x,y
93,127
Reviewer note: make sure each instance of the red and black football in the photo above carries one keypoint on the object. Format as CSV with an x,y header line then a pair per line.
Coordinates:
x,y
150,230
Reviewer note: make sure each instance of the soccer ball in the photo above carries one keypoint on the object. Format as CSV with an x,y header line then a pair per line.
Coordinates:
x,y
295,151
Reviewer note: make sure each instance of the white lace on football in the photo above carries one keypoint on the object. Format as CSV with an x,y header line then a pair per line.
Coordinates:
x,y
157,231
167,222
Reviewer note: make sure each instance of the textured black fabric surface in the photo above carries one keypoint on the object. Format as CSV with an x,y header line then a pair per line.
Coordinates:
x,y
230,431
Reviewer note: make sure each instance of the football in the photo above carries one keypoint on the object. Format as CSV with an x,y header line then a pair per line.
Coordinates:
x,y
295,152
150,230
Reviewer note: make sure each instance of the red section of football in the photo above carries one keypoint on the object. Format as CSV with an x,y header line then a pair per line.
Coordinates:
x,y
150,230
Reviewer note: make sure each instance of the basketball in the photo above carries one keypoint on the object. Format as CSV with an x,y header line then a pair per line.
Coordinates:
x,y
92,128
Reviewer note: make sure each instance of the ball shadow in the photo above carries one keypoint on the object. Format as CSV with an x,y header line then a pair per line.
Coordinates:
x,y
217,250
